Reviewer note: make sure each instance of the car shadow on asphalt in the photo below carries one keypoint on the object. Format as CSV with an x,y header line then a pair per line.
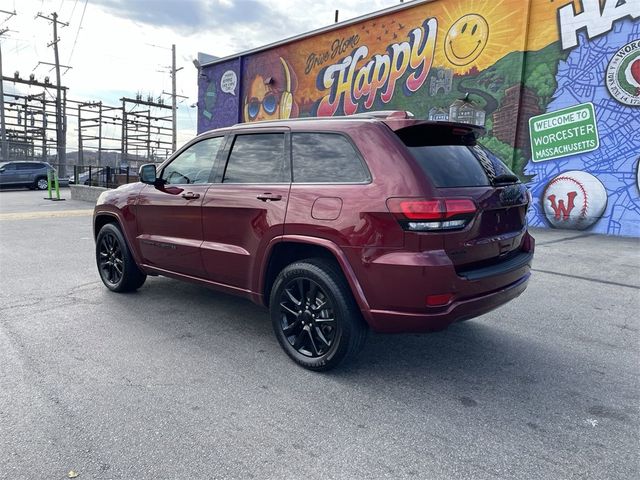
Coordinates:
x,y
484,362
480,351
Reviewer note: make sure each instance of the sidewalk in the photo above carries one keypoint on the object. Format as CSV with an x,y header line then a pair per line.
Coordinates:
x,y
19,201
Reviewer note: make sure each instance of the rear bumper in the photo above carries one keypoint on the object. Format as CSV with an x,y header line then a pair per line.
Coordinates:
x,y
387,321
398,284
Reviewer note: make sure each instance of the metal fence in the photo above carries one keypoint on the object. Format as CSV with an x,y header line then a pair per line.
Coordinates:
x,y
109,177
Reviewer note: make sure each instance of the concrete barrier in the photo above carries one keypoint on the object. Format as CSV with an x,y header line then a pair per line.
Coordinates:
x,y
86,193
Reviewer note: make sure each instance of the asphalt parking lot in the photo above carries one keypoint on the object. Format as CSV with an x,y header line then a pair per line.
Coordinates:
x,y
176,381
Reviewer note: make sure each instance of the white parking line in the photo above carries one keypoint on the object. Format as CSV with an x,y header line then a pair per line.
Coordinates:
x,y
36,215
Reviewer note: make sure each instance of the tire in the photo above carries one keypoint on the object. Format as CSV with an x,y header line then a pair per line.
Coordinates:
x,y
41,183
314,315
117,269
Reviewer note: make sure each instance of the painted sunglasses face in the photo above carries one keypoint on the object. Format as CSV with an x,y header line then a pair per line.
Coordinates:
x,y
269,104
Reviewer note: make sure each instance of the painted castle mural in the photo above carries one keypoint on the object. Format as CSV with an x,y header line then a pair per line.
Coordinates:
x,y
555,83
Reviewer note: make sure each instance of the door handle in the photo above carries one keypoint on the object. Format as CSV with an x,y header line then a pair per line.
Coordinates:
x,y
269,197
190,195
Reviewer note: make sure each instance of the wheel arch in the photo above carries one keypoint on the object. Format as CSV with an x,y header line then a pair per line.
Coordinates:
x,y
292,248
101,218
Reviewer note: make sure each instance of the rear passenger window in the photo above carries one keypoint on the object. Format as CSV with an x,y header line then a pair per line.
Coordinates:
x,y
326,158
257,158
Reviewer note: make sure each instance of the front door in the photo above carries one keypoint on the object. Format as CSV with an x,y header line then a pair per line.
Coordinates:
x,y
8,174
246,210
169,214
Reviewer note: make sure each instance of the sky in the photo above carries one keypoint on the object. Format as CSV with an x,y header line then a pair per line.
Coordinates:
x,y
118,48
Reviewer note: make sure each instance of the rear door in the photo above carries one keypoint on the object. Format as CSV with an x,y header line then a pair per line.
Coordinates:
x,y
245,209
459,168
169,214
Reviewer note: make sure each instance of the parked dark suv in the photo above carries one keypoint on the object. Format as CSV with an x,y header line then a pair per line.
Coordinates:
x,y
338,225
29,174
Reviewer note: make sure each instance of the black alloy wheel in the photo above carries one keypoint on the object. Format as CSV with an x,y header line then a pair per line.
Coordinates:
x,y
307,317
117,268
111,261
314,315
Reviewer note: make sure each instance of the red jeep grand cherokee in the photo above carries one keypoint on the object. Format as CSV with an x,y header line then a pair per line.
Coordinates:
x,y
338,225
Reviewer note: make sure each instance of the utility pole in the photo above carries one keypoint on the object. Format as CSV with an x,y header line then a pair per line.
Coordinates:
x,y
61,129
174,96
174,106
125,130
3,132
80,150
99,132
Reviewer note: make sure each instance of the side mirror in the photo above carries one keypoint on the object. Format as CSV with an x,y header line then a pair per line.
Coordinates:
x,y
2,170
148,173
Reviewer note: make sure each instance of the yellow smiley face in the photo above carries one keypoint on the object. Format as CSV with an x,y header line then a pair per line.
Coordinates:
x,y
466,39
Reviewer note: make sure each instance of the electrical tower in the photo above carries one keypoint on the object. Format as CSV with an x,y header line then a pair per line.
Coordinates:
x,y
29,119
3,133
145,137
93,117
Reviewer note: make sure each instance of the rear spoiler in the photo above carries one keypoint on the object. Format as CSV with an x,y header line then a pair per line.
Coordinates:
x,y
415,133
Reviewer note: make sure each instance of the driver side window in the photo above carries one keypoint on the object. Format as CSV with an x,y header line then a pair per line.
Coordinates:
x,y
195,164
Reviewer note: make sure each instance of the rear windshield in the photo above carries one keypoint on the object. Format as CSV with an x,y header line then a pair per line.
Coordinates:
x,y
450,165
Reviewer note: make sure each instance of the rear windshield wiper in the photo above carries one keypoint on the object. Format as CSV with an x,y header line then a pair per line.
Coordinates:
x,y
505,178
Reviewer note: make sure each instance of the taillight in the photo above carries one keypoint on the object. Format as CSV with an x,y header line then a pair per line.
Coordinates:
x,y
428,215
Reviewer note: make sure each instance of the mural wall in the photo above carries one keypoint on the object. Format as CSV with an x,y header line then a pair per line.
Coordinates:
x,y
218,100
556,84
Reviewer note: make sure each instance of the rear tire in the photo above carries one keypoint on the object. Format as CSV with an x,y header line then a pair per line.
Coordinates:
x,y
314,315
117,268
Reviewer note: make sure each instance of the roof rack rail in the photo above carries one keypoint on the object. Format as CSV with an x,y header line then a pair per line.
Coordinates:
x,y
385,114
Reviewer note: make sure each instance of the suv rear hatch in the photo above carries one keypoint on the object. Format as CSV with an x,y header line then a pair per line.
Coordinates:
x,y
480,206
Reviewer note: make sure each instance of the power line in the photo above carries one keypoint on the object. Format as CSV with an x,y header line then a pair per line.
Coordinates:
x,y
78,31
73,10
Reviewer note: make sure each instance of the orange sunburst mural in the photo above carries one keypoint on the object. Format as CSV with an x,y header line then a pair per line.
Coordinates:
x,y
474,34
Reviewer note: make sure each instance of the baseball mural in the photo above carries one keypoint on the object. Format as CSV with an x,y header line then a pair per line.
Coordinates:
x,y
574,200
555,84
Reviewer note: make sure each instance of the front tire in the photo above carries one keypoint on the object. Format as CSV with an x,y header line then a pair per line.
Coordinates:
x,y
117,268
314,315
41,183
